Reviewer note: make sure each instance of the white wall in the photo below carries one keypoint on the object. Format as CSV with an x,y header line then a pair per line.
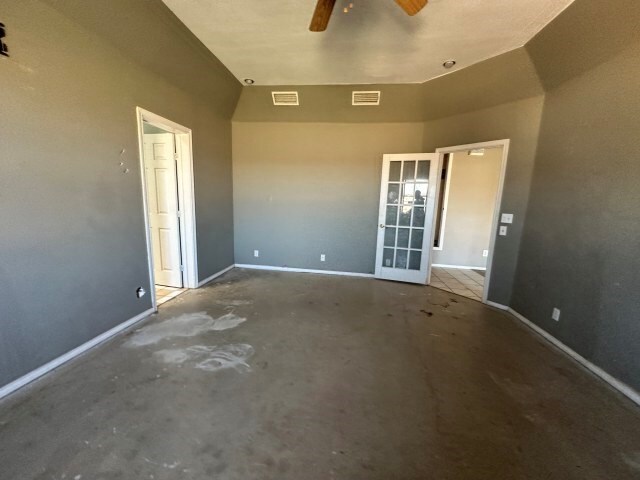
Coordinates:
x,y
472,194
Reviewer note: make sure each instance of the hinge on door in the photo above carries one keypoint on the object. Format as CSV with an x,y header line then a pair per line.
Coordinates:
x,y
182,268
179,214
175,156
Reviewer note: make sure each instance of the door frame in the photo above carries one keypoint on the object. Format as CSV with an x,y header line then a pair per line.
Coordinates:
x,y
186,197
497,204
445,200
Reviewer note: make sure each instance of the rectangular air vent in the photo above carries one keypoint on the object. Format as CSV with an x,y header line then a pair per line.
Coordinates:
x,y
365,98
285,98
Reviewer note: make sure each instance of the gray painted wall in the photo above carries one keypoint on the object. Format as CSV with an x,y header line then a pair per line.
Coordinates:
x,y
302,189
581,239
473,187
72,249
583,36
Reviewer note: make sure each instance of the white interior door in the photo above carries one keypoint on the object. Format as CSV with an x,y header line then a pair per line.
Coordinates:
x,y
405,222
162,200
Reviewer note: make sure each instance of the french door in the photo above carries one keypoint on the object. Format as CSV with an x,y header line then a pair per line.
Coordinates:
x,y
405,221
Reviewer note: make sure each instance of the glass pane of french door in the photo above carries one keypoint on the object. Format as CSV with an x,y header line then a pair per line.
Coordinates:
x,y
407,186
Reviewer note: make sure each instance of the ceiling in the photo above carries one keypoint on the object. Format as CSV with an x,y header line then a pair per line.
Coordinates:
x,y
376,42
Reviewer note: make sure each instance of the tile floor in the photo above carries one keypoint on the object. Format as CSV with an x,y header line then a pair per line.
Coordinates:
x,y
467,283
164,294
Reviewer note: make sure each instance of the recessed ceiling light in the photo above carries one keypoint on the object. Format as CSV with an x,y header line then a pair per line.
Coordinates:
x,y
249,81
449,63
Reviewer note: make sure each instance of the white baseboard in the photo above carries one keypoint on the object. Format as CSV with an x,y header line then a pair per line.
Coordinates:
x,y
461,267
497,305
215,275
623,388
61,360
304,270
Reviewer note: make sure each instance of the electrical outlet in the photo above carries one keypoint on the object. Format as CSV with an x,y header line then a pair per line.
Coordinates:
x,y
485,253
555,314
256,253
507,218
322,257
503,231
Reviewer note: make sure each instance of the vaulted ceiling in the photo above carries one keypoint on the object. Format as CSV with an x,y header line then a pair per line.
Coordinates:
x,y
375,42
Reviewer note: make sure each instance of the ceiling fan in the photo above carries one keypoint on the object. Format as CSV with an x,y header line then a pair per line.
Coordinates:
x,y
323,10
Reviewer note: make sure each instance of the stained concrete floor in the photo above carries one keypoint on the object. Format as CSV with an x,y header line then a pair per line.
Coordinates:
x,y
328,378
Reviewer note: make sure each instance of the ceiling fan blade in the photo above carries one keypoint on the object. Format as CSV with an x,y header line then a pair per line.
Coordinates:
x,y
412,6
321,15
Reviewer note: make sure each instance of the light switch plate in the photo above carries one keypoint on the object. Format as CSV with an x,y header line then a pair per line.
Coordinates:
x,y
555,315
256,253
503,231
507,218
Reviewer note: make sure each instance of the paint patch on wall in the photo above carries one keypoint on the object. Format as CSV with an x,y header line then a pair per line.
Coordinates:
x,y
210,358
186,325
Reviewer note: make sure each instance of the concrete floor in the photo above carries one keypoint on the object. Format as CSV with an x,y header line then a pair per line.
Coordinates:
x,y
328,378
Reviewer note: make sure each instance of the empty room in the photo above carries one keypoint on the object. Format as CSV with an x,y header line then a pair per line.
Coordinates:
x,y
319,239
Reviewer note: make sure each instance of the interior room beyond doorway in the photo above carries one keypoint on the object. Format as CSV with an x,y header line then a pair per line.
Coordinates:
x,y
466,282
467,203
164,294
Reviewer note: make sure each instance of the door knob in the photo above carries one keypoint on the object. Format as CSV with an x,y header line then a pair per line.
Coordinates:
x,y
382,225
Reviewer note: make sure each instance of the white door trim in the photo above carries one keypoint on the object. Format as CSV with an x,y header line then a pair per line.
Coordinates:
x,y
445,201
186,197
498,202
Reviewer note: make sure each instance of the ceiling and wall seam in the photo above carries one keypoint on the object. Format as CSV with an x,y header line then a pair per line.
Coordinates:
x,y
585,35
508,77
376,43
129,41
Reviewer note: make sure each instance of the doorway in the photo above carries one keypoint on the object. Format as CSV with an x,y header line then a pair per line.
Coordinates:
x,y
166,164
470,191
